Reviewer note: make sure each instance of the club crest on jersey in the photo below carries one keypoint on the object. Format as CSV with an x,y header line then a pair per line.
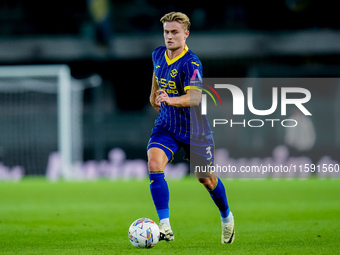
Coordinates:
x,y
173,73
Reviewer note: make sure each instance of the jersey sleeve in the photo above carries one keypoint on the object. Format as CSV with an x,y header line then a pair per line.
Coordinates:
x,y
153,58
156,55
193,74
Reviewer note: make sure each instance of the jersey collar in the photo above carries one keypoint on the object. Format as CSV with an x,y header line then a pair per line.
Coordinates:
x,y
171,61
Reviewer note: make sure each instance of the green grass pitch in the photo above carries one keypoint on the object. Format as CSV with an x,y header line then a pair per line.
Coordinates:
x,y
271,216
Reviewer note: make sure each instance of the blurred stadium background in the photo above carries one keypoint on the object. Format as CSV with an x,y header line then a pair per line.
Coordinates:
x,y
107,46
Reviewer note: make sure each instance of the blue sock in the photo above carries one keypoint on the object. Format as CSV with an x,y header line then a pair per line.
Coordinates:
x,y
160,194
219,196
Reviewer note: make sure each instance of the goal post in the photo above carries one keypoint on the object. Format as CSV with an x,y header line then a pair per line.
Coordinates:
x,y
44,79
64,119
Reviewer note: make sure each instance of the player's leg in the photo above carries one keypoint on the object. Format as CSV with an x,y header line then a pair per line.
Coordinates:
x,y
202,154
218,194
157,160
161,149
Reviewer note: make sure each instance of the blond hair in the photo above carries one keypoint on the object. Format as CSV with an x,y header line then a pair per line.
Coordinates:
x,y
177,16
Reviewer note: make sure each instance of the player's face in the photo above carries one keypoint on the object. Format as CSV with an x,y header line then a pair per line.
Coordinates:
x,y
174,35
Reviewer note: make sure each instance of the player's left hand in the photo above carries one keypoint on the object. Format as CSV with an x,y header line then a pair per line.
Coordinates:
x,y
163,97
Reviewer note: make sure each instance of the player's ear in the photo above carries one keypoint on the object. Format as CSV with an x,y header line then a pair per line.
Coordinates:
x,y
186,34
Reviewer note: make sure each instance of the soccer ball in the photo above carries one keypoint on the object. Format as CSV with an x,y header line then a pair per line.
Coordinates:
x,y
144,233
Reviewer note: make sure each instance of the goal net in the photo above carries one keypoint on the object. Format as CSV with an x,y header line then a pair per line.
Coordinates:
x,y
40,113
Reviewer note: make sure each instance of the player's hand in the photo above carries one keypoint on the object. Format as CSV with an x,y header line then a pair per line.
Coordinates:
x,y
162,97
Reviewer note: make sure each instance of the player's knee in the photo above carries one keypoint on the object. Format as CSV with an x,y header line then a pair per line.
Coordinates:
x,y
208,183
154,165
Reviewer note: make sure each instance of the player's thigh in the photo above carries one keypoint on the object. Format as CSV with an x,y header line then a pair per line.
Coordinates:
x,y
161,148
201,152
157,159
203,156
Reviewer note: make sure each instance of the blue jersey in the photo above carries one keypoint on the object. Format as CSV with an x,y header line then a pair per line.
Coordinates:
x,y
175,77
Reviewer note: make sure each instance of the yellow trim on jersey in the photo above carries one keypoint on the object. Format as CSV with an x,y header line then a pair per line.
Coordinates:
x,y
192,87
171,61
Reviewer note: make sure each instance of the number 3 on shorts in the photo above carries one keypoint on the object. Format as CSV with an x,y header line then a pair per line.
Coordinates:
x,y
208,151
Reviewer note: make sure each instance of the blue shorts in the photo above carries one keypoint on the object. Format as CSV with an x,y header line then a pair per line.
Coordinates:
x,y
200,150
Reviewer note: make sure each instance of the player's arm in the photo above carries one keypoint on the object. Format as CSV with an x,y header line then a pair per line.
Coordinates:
x,y
191,98
154,93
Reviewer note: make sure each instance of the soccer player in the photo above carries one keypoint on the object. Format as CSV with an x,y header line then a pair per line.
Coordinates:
x,y
176,95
